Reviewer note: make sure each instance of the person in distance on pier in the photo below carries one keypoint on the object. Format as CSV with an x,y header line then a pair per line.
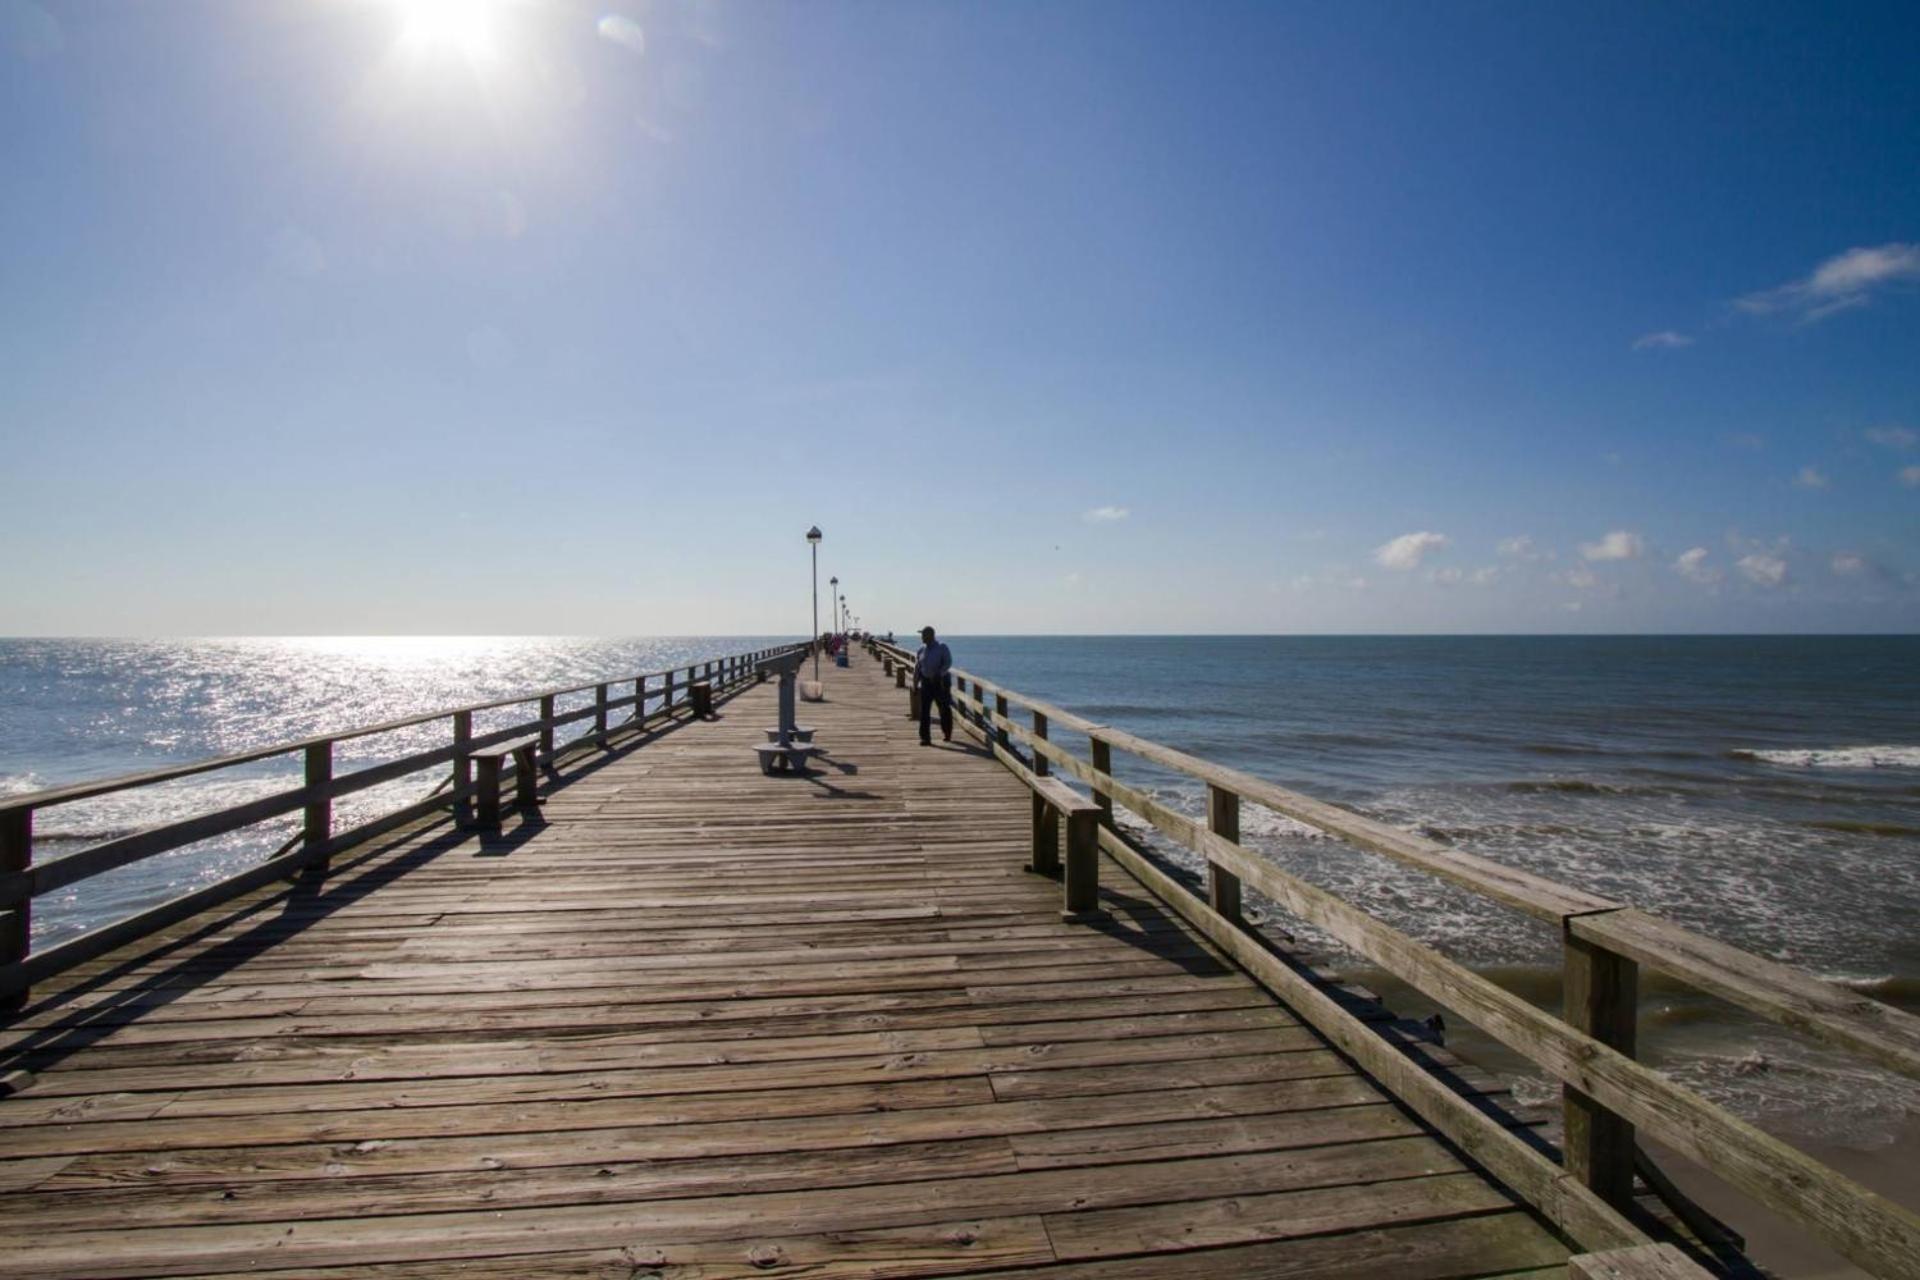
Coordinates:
x,y
931,668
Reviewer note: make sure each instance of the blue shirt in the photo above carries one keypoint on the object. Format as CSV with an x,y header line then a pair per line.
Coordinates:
x,y
933,661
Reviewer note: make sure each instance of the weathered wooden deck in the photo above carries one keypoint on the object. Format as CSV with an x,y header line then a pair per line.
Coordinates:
x,y
699,1022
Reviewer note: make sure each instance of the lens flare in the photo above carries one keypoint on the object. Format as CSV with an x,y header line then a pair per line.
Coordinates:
x,y
438,28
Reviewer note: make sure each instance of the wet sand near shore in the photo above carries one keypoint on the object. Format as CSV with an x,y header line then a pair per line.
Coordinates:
x,y
1784,1250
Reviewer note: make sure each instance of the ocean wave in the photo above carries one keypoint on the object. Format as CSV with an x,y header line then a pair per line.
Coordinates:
x,y
1576,786
1881,757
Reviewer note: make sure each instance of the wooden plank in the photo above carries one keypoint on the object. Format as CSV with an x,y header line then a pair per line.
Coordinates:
x,y
1649,1262
1574,1208
695,1019
1860,1224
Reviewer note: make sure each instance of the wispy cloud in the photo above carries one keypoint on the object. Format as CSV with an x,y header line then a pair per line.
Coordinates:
x,y
1841,283
1484,576
1105,515
1620,544
1812,478
1582,578
1523,547
1692,565
1910,477
1850,564
1762,570
1892,437
1746,440
1408,550
1665,340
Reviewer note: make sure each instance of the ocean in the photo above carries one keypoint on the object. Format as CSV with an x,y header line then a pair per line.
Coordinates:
x,y
1763,790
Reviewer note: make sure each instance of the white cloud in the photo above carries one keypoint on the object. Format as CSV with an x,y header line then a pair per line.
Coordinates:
x,y
1841,283
1406,551
1665,340
1522,547
1746,440
1910,477
1485,576
1692,565
1849,564
1813,478
1620,544
1762,569
1893,437
623,31
1105,515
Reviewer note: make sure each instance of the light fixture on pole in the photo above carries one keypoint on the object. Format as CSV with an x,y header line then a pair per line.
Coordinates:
x,y
813,541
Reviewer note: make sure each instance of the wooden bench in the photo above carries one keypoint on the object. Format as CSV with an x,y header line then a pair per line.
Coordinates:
x,y
1080,888
486,778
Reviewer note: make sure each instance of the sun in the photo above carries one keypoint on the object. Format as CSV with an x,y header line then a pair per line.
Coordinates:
x,y
440,28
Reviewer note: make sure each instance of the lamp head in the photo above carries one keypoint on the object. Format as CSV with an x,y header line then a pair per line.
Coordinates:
x,y
813,534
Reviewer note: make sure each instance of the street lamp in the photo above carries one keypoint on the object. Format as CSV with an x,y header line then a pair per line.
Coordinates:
x,y
813,541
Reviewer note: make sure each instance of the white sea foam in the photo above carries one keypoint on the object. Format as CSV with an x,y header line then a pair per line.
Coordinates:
x,y
1882,757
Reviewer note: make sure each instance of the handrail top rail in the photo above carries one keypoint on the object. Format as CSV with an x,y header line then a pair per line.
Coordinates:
x,y
1534,895
50,796
1840,1017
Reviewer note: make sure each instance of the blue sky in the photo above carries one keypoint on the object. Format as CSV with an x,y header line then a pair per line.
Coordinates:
x,y
513,316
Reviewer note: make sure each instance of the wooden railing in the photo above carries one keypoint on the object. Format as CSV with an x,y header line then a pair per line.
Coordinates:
x,y
1590,1050
22,879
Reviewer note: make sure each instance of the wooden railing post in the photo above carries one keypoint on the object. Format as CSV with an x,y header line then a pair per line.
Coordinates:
x,y
1046,837
1602,999
666,694
319,814
1041,765
1223,819
639,701
1000,713
16,922
546,729
462,767
1082,875
1102,753
600,714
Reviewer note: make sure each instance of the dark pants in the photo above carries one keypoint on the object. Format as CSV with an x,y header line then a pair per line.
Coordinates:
x,y
932,691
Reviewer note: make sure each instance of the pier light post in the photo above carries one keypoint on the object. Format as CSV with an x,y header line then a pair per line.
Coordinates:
x,y
833,607
813,541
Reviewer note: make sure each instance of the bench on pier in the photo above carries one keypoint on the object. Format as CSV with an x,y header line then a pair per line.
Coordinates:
x,y
486,778
1052,801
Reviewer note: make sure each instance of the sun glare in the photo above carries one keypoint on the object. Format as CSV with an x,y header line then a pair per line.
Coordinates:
x,y
439,28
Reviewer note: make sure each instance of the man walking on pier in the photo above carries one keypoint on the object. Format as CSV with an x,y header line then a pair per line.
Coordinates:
x,y
930,668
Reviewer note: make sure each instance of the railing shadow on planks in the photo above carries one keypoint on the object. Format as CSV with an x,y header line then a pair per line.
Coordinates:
x,y
657,697
1606,1093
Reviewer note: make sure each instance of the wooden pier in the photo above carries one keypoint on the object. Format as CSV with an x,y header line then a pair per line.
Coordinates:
x,y
686,1020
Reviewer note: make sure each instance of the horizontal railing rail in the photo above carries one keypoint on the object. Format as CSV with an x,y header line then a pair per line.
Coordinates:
x,y
22,879
1590,1050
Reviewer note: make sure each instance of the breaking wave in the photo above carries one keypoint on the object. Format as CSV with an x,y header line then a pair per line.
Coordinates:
x,y
1883,757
